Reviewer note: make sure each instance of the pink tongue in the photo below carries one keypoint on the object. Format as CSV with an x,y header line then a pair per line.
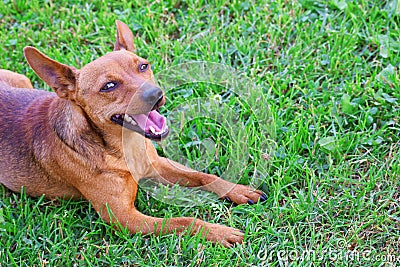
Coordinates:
x,y
154,119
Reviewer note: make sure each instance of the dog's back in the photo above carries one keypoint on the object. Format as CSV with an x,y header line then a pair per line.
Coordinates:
x,y
21,112
14,79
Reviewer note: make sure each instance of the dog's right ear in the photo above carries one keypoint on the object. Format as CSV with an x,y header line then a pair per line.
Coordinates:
x,y
124,37
61,78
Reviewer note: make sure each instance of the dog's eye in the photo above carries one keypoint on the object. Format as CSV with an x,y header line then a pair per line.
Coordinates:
x,y
143,67
109,86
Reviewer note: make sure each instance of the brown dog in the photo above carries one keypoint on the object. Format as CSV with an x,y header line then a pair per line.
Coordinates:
x,y
69,144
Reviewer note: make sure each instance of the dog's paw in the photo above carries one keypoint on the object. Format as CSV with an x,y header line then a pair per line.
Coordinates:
x,y
242,194
224,235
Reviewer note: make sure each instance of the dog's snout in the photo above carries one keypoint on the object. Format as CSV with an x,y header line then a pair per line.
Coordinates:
x,y
152,96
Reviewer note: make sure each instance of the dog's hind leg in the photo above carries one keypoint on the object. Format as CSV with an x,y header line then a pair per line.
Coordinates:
x,y
14,79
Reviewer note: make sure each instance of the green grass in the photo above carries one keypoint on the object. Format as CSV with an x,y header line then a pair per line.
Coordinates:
x,y
329,73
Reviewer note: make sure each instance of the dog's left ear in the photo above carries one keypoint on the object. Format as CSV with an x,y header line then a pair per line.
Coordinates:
x,y
124,37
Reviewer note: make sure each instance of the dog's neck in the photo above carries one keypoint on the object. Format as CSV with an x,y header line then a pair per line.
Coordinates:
x,y
75,129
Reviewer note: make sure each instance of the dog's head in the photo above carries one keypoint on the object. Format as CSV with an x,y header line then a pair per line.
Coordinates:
x,y
115,90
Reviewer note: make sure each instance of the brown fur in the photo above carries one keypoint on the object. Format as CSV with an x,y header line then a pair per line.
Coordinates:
x,y
64,144
14,79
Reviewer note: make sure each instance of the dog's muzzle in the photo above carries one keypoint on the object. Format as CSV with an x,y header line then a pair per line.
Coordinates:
x,y
152,125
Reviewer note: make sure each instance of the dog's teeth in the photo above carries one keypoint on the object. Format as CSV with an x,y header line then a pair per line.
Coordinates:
x,y
130,120
133,122
127,118
153,130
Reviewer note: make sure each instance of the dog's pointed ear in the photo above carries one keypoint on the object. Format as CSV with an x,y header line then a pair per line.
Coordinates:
x,y
124,37
61,78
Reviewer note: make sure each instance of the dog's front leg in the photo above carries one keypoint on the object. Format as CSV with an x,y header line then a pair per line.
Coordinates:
x,y
113,196
176,173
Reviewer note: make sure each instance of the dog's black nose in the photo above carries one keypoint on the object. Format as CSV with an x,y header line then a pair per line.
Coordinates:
x,y
152,95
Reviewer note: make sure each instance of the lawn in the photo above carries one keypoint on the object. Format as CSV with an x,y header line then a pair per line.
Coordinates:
x,y
319,131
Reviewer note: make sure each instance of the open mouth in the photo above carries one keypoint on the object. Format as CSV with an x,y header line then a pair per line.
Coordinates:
x,y
152,125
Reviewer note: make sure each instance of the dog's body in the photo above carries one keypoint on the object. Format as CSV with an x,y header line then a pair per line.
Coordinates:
x,y
13,79
69,144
